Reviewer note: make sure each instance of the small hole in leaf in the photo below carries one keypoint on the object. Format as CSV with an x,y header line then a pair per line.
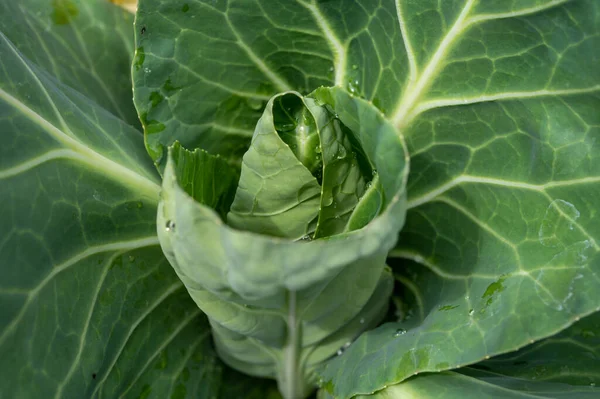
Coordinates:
x,y
143,30
94,376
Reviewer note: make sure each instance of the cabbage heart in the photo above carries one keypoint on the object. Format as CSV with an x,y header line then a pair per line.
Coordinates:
x,y
286,256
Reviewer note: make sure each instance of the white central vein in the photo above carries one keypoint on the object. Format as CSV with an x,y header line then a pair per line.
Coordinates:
x,y
95,160
291,356
520,13
516,95
412,96
410,54
409,106
335,44
39,160
414,202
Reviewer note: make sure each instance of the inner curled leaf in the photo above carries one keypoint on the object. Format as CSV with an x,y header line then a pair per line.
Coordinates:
x,y
305,175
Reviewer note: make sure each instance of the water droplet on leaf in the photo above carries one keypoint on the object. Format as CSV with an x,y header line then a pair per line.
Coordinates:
x,y
353,86
170,226
399,332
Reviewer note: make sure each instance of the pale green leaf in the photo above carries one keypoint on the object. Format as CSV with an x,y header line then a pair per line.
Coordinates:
x,y
564,366
277,194
283,319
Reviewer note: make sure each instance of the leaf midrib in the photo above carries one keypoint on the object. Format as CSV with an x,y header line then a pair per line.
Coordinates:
x,y
409,105
93,159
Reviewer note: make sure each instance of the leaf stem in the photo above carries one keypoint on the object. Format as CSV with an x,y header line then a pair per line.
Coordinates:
x,y
291,382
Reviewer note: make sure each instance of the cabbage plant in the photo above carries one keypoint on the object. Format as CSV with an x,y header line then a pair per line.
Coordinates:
x,y
331,198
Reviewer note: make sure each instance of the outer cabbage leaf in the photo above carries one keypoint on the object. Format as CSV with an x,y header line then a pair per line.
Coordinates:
x,y
203,69
85,44
563,366
479,384
280,308
500,239
89,307
499,105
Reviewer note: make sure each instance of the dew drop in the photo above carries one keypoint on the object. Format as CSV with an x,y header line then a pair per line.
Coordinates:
x,y
471,311
341,153
170,226
306,238
353,86
131,258
399,332
355,67
362,321
318,149
592,384
374,172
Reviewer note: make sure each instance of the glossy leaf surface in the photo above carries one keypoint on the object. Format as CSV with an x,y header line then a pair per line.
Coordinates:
x,y
563,366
